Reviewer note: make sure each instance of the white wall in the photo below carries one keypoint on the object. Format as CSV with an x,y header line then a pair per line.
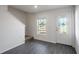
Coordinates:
x,y
12,30
77,28
51,25
22,16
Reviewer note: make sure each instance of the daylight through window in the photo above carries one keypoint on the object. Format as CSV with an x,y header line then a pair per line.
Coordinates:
x,y
62,25
41,26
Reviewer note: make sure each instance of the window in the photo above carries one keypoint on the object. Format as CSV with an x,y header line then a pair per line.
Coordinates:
x,y
62,25
41,25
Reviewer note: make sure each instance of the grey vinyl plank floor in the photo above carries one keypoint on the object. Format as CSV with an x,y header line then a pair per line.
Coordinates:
x,y
41,47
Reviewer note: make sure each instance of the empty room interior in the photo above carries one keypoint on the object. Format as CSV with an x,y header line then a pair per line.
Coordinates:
x,y
39,29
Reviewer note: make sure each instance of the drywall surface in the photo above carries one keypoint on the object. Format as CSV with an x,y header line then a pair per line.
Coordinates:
x,y
12,30
22,16
77,28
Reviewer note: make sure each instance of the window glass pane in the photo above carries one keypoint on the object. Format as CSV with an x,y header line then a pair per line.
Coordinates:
x,y
62,25
41,26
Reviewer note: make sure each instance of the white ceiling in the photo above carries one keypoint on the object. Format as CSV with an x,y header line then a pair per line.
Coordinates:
x,y
31,9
